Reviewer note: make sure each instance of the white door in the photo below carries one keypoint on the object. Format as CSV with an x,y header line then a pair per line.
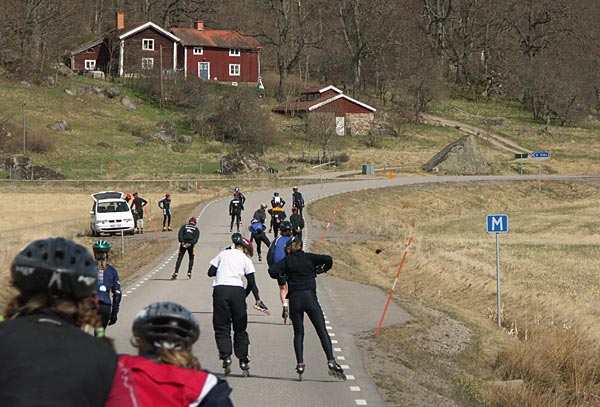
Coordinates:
x,y
204,70
340,125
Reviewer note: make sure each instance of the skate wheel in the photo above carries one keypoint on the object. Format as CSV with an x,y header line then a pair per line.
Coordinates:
x,y
245,373
300,377
227,371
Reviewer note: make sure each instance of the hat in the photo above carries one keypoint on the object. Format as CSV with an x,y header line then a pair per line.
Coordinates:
x,y
192,220
167,195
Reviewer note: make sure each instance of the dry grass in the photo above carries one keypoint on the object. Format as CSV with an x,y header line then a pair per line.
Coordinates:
x,y
38,210
548,260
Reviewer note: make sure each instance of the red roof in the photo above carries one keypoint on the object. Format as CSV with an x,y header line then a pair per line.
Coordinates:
x,y
327,95
191,37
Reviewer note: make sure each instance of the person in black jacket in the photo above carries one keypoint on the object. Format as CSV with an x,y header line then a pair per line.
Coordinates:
x,y
236,206
299,270
188,238
297,222
48,352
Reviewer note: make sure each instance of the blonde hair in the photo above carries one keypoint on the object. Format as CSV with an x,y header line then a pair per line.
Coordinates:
x,y
182,357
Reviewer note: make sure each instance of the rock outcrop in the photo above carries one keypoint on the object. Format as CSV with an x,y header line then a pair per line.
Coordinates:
x,y
462,157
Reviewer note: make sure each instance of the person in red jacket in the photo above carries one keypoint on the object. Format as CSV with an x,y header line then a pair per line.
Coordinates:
x,y
166,372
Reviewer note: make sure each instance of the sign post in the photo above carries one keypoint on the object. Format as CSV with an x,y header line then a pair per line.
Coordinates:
x,y
540,155
497,224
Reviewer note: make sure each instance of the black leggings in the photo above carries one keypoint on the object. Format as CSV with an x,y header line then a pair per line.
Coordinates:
x,y
167,217
190,250
229,308
237,217
260,238
305,301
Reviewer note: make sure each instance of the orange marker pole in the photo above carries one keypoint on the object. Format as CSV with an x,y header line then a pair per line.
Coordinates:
x,y
154,229
387,304
337,206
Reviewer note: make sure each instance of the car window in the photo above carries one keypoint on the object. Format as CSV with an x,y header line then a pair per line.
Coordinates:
x,y
122,207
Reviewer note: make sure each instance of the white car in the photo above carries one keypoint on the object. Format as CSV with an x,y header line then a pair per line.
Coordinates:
x,y
111,214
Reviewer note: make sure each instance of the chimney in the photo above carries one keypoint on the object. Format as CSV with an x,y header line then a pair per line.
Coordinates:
x,y
199,25
120,21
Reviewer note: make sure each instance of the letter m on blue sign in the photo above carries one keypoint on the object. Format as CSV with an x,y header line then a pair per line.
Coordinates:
x,y
497,223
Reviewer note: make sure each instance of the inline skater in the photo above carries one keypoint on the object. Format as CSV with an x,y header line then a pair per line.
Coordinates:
x,y
108,284
299,269
275,254
188,238
229,268
297,200
166,372
165,205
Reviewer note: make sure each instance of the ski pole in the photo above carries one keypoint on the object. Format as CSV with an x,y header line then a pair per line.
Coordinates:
x,y
154,229
387,304
337,206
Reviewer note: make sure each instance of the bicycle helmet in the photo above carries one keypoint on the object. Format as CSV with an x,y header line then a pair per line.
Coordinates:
x,y
167,195
55,266
285,226
236,237
101,246
275,193
248,245
294,188
263,205
236,189
295,239
192,220
166,324
254,221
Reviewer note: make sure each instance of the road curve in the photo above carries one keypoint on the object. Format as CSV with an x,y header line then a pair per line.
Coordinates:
x,y
273,381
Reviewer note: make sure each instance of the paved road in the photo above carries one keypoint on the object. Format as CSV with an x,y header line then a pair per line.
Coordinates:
x,y
349,308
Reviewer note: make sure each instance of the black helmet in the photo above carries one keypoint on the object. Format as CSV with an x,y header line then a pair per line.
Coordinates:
x,y
276,193
285,226
56,266
294,239
166,322
101,246
236,237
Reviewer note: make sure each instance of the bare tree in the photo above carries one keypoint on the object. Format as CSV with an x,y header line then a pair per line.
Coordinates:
x,y
320,128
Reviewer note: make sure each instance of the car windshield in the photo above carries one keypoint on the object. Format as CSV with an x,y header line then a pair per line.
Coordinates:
x,y
104,207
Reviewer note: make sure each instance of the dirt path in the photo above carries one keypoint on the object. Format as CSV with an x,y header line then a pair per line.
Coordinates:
x,y
494,139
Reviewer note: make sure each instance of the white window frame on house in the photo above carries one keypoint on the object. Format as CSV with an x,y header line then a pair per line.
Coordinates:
x,y
234,69
197,51
89,64
234,52
148,44
147,63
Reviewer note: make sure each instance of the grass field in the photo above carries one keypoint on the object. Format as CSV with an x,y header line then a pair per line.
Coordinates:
x,y
549,263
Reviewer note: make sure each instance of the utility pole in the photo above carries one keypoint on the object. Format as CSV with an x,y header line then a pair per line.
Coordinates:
x,y
24,128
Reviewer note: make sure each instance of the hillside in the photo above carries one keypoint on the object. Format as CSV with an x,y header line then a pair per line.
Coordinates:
x,y
109,141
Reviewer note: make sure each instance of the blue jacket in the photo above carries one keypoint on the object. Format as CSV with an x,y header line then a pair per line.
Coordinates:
x,y
108,282
257,227
277,250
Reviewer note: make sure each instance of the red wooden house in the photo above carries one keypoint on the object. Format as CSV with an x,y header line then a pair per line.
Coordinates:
x,y
132,49
219,55
350,114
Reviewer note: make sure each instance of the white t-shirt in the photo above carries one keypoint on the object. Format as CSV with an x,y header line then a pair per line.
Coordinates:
x,y
232,265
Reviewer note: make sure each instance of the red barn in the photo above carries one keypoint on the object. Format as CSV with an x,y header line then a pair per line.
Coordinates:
x,y
219,55
349,113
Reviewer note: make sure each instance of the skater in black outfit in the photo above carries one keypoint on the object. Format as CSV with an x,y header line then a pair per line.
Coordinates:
x,y
297,222
137,205
297,200
299,270
236,206
238,195
229,302
188,238
165,205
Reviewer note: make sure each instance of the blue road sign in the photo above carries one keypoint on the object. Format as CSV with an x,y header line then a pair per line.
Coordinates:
x,y
540,154
497,223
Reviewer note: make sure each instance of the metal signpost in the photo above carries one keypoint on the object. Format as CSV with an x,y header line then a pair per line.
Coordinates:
x,y
540,155
521,157
497,224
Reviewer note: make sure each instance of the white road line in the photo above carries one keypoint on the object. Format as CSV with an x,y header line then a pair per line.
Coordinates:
x,y
337,349
334,341
354,388
341,357
361,402
349,377
345,367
